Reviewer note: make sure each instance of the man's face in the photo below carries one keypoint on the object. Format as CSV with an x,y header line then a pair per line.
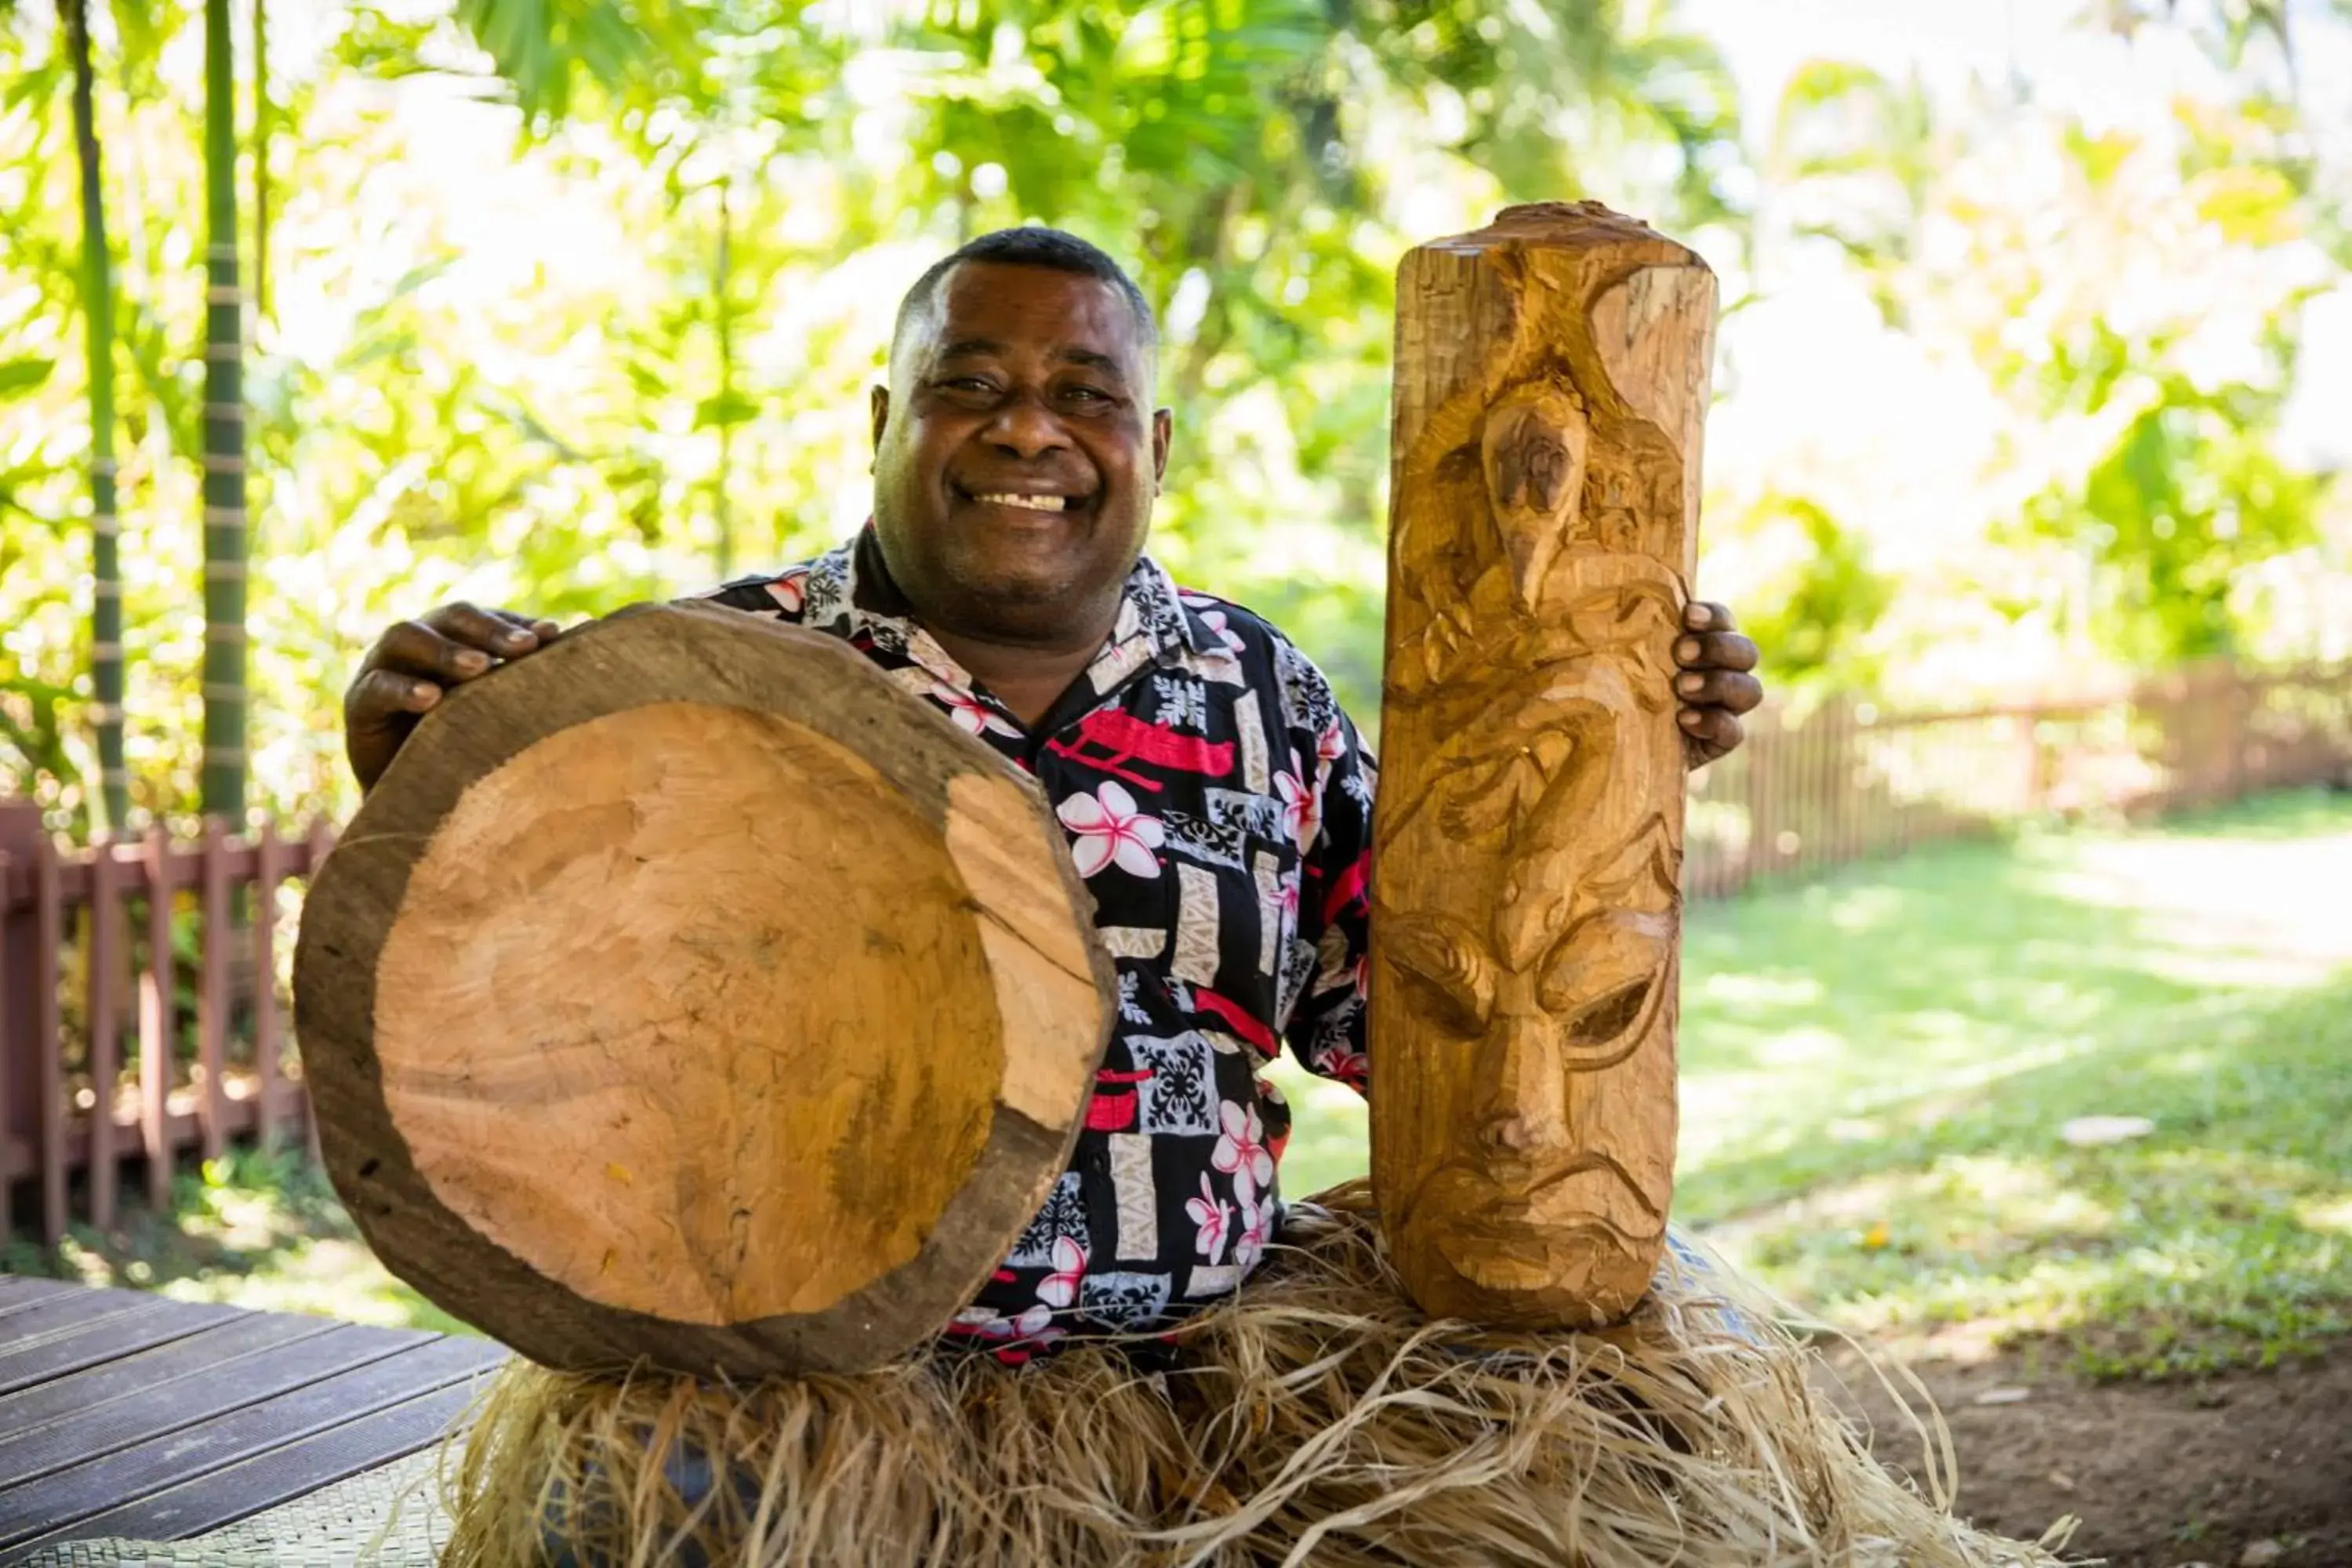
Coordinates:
x,y
1016,455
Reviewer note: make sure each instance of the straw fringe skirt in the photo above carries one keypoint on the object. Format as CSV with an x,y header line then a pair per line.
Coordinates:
x,y
1319,1418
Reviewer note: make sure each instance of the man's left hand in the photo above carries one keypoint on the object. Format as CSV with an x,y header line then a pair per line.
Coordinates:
x,y
1713,685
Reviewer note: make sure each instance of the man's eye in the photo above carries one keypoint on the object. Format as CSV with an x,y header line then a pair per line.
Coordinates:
x,y
1086,394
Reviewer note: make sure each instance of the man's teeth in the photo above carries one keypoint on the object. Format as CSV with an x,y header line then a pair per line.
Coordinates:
x,y
1034,503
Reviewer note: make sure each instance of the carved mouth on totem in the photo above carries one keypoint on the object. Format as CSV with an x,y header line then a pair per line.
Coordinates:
x,y
1531,1235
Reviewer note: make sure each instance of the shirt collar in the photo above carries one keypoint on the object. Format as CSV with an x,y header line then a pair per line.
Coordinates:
x,y
850,593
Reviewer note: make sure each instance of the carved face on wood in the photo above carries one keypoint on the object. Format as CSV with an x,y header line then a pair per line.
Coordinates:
x,y
1528,959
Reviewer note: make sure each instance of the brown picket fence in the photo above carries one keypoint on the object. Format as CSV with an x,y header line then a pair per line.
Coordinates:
x,y
1844,781
141,1013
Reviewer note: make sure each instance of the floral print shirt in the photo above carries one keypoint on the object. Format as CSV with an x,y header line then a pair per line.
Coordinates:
x,y
1218,805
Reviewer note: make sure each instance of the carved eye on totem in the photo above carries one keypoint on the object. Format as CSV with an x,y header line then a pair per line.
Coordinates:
x,y
1532,472
1605,982
1441,963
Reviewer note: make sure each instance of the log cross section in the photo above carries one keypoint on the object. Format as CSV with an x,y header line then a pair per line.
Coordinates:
x,y
688,992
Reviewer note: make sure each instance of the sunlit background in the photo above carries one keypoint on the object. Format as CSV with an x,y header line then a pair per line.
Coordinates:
x,y
2036,358
2034,388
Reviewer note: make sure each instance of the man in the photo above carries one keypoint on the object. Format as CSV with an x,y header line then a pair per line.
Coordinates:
x,y
1218,800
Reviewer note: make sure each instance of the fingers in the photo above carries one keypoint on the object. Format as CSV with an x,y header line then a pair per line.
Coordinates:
x,y
415,648
501,633
457,642
1705,615
379,710
541,632
411,666
1715,651
1726,688
382,695
1713,732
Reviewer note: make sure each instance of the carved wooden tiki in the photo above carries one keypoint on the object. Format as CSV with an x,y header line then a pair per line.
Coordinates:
x,y
1551,382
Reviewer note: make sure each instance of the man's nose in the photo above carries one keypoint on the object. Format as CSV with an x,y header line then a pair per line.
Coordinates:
x,y
1521,1106
1024,428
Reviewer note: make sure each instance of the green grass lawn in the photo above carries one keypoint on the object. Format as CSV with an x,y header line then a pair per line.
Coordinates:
x,y
1879,1074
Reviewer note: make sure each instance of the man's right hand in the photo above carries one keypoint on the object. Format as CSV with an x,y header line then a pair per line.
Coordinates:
x,y
404,674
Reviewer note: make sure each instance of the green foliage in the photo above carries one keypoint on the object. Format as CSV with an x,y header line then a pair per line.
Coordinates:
x,y
2130,302
613,415
2191,493
18,376
1810,618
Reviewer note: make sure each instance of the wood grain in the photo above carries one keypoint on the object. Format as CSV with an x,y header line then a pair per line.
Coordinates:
x,y
1551,384
688,992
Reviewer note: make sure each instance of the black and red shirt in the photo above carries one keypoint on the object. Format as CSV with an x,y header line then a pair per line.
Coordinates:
x,y
1219,806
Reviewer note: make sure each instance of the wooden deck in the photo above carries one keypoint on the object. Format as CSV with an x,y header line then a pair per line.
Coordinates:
x,y
130,1414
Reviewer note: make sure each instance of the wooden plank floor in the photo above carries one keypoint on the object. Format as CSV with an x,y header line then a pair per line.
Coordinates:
x,y
130,1415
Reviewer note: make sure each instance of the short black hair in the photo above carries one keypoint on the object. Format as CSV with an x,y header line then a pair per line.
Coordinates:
x,y
1029,246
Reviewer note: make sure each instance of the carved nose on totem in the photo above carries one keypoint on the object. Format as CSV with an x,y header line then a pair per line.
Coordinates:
x,y
1520,1114
1509,1133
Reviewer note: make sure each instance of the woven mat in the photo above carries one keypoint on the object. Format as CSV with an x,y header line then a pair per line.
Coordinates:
x,y
389,1517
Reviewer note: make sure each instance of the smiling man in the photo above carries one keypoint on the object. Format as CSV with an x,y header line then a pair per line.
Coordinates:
x,y
1218,800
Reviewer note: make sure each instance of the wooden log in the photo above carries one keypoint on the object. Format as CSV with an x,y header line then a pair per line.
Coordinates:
x,y
1551,384
689,992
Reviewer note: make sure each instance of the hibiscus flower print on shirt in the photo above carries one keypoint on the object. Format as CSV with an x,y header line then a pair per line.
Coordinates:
x,y
1214,1217
1241,1151
1297,806
969,713
1111,830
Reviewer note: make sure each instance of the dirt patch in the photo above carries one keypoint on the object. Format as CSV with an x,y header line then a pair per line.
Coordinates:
x,y
2160,1474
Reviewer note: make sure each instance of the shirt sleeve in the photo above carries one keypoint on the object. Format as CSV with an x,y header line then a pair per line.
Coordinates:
x,y
1326,1030
776,594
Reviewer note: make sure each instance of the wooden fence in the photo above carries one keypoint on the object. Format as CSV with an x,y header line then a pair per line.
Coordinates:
x,y
1847,782
140,1010
165,1010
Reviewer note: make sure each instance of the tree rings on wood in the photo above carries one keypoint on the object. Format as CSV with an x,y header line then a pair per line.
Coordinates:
x,y
689,992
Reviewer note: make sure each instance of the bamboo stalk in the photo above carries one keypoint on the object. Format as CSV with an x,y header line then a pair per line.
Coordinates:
x,y
105,529
223,777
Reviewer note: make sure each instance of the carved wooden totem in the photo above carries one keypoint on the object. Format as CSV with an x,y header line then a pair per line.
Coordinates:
x,y
1551,382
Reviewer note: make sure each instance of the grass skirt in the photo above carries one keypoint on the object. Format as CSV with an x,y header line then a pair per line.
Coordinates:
x,y
1318,1418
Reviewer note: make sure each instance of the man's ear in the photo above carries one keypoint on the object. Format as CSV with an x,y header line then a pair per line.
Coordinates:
x,y
881,401
1163,424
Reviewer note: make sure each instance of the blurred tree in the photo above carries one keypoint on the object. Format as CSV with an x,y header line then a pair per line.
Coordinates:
x,y
226,535
97,318
1231,149
2133,300
1812,609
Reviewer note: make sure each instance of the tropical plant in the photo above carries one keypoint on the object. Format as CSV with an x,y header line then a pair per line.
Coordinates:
x,y
2133,308
224,531
105,528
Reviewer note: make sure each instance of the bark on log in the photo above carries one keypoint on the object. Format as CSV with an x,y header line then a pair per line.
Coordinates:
x,y
688,992
1551,382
